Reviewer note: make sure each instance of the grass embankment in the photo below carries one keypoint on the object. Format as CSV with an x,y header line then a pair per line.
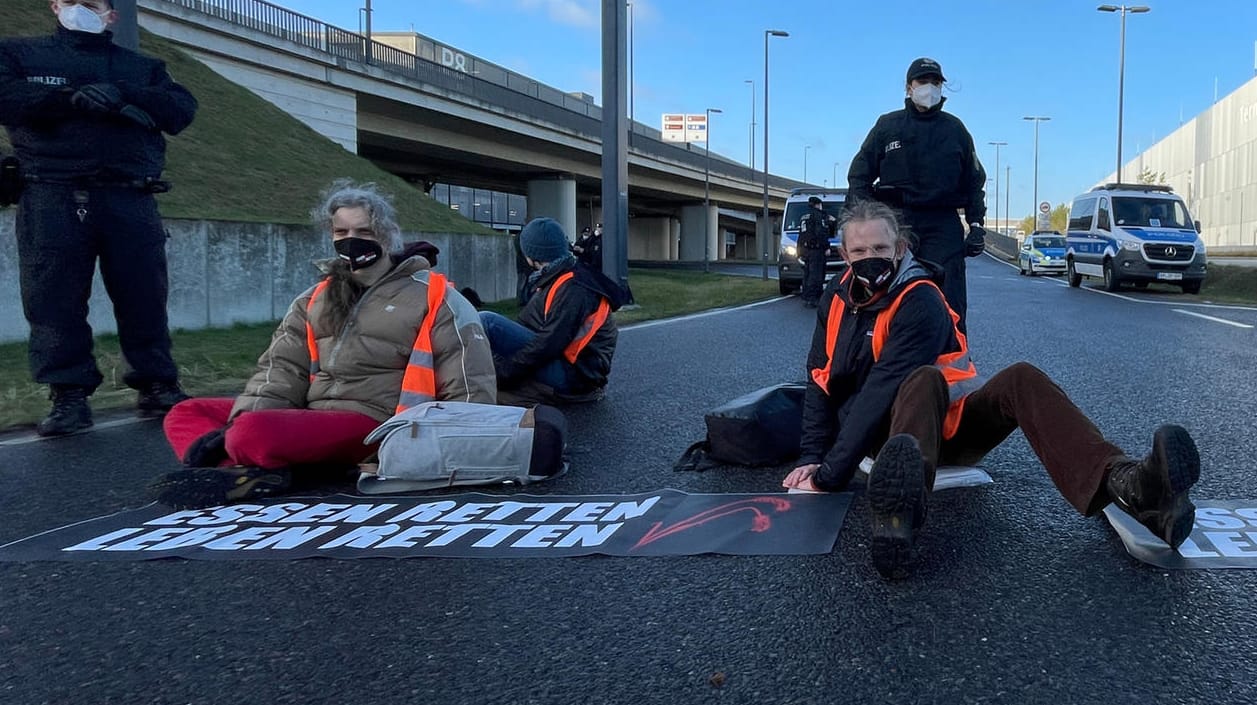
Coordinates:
x,y
219,361
244,159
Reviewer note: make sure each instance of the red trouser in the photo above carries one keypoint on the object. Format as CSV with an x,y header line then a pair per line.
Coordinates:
x,y
1074,452
273,438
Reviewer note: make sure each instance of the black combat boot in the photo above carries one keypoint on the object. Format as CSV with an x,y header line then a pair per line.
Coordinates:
x,y
897,504
197,488
1154,490
70,412
156,398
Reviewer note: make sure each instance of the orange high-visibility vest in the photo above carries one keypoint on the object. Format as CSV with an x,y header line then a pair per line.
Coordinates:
x,y
589,326
419,380
957,368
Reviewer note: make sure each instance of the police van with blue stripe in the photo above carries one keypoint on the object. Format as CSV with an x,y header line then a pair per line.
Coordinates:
x,y
1134,233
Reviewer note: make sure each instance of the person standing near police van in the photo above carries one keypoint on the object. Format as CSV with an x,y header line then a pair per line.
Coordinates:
x,y
922,162
816,227
86,118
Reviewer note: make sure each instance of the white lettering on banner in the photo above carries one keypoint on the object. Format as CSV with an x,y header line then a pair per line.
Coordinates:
x,y
1217,518
1234,544
532,525
1189,549
453,59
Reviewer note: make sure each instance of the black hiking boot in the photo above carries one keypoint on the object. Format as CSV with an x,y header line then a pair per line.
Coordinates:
x,y
69,413
197,488
897,502
1154,490
156,398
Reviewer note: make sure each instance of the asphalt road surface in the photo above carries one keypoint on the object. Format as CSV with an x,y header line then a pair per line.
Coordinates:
x,y
1015,598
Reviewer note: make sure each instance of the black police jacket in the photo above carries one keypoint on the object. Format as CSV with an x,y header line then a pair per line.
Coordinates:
x,y
851,420
920,160
572,304
816,227
55,140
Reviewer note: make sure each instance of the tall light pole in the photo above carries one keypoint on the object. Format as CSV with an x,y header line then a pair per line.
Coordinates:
x,y
767,230
707,196
1008,187
997,146
835,174
1121,70
805,148
752,82
1034,212
632,91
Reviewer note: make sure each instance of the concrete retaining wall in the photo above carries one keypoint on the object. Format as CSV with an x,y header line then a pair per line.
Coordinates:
x,y
223,273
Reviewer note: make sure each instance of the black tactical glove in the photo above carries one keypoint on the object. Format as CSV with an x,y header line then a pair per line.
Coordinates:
x,y
975,242
98,98
208,450
138,115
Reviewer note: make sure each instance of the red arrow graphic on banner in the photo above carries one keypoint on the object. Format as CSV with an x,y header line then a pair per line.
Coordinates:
x,y
760,521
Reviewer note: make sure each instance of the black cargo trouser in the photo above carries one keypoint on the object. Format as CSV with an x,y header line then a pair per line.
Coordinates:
x,y
941,239
61,232
813,273
1073,451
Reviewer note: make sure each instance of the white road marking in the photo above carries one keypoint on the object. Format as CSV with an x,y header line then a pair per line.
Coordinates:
x,y
704,314
35,438
1211,318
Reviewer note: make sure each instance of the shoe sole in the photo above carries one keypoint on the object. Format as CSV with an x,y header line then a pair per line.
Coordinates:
x,y
894,491
197,488
59,432
1182,471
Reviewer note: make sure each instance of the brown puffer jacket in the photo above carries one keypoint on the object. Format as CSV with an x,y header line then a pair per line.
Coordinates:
x,y
361,369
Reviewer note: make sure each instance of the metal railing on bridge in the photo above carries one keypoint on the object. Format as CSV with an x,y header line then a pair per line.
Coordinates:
x,y
454,70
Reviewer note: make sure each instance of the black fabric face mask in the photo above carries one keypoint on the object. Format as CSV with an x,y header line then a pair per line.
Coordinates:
x,y
874,273
358,252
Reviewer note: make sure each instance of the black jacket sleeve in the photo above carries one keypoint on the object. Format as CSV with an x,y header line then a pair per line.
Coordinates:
x,y
820,411
920,331
171,106
865,167
23,102
973,179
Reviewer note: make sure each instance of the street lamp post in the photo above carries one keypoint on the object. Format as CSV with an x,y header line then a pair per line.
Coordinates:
x,y
632,92
767,229
1034,212
997,146
1008,180
707,195
1121,70
835,174
752,83
805,148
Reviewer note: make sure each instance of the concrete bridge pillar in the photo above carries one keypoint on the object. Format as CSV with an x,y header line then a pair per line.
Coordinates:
x,y
698,233
649,237
674,239
554,197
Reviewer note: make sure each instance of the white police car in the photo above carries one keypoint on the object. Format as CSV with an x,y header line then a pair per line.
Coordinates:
x,y
789,266
1043,252
1134,233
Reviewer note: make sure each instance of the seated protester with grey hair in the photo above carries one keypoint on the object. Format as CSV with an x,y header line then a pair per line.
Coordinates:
x,y
890,374
560,350
380,332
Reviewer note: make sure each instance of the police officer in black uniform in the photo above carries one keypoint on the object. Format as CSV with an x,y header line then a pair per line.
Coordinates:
x,y
922,161
86,119
816,227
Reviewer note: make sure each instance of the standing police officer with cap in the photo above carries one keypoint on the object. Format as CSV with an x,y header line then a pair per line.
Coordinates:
x,y
815,228
922,161
86,119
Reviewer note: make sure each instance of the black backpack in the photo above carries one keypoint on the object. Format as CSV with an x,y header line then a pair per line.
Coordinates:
x,y
757,429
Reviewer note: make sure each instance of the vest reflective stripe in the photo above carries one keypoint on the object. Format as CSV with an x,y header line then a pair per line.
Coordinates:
x,y
958,370
310,344
419,380
589,327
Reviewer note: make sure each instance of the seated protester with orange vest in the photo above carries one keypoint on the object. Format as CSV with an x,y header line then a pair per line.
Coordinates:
x,y
379,333
561,348
890,374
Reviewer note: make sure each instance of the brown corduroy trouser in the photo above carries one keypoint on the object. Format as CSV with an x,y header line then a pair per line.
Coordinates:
x,y
1071,448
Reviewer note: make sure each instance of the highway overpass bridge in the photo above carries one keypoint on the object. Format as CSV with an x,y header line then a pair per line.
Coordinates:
x,y
432,113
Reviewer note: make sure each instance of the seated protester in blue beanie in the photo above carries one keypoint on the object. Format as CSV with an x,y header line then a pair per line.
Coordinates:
x,y
561,348
890,374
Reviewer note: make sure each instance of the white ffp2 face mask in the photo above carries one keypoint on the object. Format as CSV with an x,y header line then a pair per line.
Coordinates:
x,y
927,95
78,18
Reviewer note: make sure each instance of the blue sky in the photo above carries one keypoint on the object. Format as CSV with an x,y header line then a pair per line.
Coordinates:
x,y
844,64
